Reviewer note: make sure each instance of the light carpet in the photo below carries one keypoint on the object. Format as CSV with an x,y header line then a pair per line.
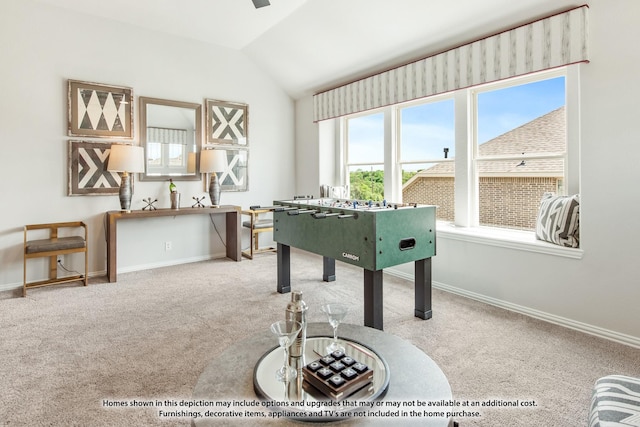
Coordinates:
x,y
65,350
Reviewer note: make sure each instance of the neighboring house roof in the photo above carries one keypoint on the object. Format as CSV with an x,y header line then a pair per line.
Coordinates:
x,y
546,134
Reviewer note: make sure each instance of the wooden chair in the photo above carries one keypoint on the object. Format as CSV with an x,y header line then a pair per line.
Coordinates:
x,y
257,225
51,247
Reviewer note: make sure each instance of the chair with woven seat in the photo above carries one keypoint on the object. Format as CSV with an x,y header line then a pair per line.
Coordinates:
x,y
257,225
55,244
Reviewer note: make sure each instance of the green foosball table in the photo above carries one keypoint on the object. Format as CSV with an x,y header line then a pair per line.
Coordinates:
x,y
370,235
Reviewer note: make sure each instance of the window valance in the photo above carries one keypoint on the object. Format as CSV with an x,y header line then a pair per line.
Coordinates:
x,y
167,136
547,43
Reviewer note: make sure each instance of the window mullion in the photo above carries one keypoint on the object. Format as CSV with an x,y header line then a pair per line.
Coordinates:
x,y
572,160
392,190
465,186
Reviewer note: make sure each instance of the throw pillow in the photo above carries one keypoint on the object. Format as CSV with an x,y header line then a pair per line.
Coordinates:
x,y
559,220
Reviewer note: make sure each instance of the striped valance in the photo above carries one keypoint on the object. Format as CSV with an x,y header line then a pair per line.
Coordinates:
x,y
167,136
550,42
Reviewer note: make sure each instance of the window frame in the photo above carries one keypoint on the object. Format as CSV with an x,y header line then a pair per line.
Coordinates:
x,y
466,225
345,146
474,219
398,139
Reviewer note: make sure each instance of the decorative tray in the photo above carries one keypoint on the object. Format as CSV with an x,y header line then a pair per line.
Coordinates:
x,y
336,375
309,394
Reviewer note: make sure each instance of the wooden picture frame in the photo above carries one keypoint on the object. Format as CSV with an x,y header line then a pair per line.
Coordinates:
x,y
98,110
227,123
88,175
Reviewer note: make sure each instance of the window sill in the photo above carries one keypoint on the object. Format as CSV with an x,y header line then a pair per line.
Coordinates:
x,y
504,238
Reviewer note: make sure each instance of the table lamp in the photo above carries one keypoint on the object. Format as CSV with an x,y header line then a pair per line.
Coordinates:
x,y
126,159
213,161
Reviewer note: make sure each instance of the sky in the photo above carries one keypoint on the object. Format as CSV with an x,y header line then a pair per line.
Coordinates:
x,y
429,128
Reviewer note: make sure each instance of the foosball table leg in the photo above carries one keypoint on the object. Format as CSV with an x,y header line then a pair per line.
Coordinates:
x,y
423,288
284,268
328,269
373,299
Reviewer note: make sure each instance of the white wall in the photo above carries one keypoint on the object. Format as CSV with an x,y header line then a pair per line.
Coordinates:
x,y
307,150
43,46
601,292
316,150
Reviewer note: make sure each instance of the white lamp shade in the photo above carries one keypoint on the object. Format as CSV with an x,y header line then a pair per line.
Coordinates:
x,y
126,158
213,161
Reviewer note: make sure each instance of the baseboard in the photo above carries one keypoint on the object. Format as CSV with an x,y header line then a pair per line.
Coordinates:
x,y
138,267
150,266
10,287
14,286
537,314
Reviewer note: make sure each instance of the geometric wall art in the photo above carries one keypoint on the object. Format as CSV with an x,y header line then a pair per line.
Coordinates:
x,y
88,174
235,177
227,123
99,110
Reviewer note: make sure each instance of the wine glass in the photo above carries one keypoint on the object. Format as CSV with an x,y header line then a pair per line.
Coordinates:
x,y
286,332
335,313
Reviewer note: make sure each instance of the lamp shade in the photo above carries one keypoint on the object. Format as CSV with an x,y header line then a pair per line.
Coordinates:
x,y
126,158
213,160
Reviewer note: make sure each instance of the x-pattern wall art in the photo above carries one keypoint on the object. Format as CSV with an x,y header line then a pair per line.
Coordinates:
x,y
99,110
227,127
235,175
88,174
227,122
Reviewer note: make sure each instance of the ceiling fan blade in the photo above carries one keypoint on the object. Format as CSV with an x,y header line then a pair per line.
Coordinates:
x,y
260,3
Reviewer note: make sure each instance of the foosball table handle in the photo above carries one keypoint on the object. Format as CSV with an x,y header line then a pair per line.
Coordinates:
x,y
322,215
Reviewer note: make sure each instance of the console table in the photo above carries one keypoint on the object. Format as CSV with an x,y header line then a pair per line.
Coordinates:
x,y
233,230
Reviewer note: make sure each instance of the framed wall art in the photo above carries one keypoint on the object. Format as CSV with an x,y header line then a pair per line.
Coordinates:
x,y
88,173
236,175
99,110
227,123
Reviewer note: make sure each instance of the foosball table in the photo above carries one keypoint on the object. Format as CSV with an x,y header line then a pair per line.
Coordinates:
x,y
370,235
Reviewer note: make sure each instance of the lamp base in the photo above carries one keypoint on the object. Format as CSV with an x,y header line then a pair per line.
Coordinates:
x,y
125,192
214,190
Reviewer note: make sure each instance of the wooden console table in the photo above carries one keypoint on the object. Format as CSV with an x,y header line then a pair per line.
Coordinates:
x,y
233,230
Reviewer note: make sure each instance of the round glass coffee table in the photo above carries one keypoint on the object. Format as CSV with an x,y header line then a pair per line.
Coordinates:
x,y
405,374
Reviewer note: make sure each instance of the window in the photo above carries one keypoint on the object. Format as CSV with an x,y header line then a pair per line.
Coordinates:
x,y
520,149
427,149
483,155
365,156
167,150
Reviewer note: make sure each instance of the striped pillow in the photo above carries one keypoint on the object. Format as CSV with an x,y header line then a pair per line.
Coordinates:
x,y
559,220
615,402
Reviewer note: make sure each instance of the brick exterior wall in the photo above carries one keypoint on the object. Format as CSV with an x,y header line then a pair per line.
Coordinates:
x,y
432,191
508,202
513,202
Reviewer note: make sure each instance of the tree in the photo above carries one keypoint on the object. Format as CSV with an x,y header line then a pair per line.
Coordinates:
x,y
406,175
367,185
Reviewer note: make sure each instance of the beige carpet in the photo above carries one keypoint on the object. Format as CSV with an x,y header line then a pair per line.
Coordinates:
x,y
63,350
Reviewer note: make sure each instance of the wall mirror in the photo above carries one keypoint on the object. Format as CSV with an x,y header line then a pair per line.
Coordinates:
x,y
171,134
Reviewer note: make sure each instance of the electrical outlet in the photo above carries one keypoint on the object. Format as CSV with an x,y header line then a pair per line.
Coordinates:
x,y
167,246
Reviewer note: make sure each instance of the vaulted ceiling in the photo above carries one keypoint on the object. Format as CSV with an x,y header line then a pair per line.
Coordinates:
x,y
311,45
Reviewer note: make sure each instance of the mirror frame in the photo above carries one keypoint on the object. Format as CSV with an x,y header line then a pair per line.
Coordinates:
x,y
197,108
